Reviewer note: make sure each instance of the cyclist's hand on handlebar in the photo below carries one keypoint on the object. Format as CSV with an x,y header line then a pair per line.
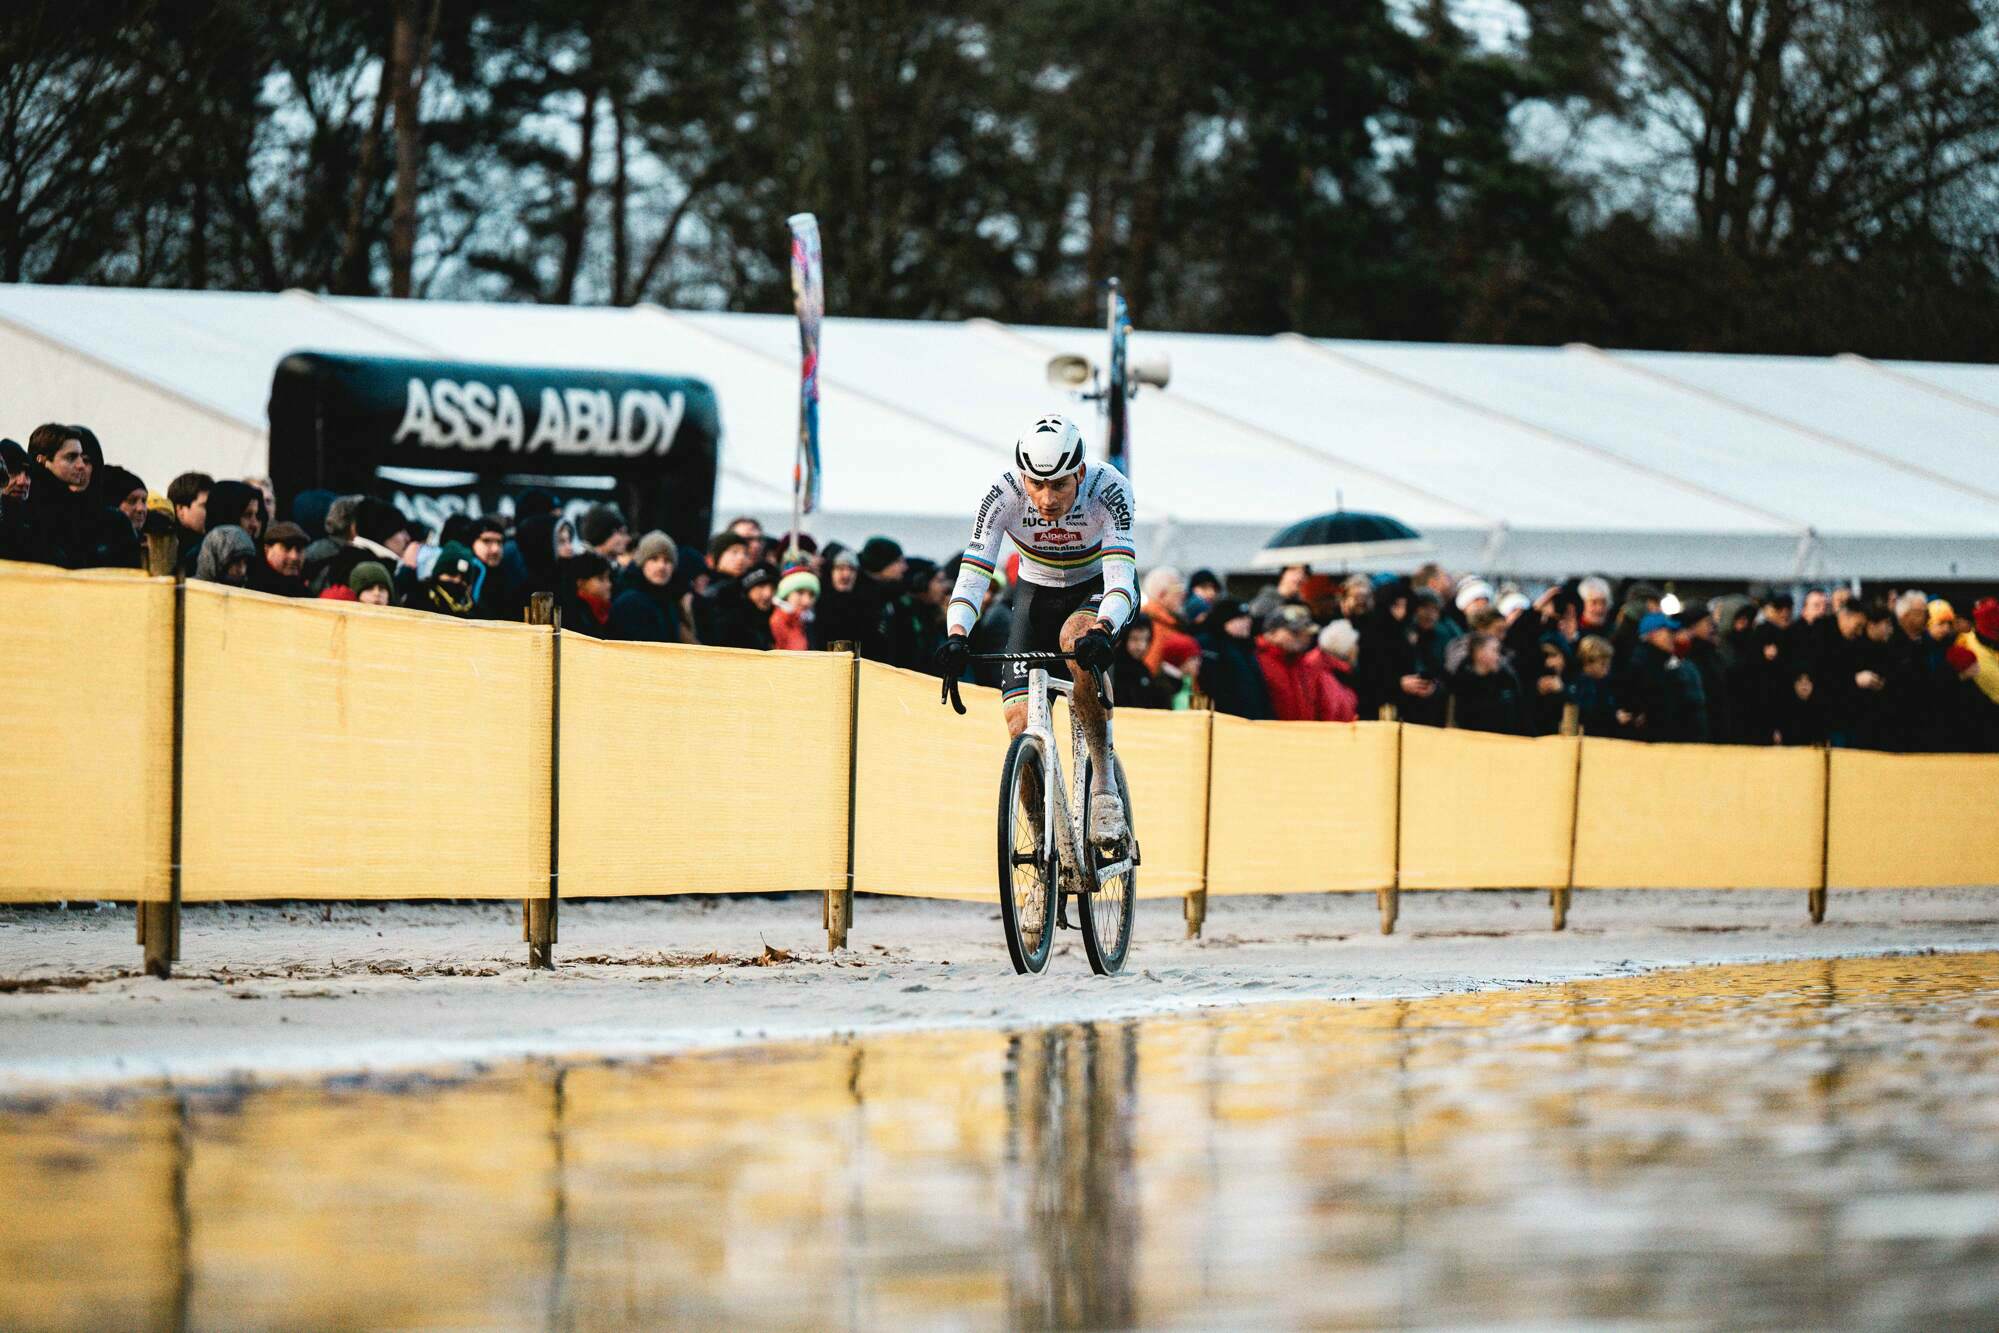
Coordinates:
x,y
1095,650
953,656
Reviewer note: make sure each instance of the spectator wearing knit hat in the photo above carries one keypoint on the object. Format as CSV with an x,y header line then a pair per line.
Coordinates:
x,y
122,490
1473,596
645,609
890,624
604,531
723,616
449,589
280,568
371,582
760,594
1229,673
791,611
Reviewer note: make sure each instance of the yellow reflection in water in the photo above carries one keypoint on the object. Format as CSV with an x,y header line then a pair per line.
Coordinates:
x,y
1803,1144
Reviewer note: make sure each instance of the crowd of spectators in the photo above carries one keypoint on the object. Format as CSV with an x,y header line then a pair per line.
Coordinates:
x,y
1896,672
1900,671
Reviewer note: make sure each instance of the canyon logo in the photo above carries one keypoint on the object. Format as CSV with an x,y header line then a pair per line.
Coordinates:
x,y
447,414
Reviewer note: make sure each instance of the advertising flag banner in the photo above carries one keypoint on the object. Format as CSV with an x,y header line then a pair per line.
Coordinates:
x,y
808,290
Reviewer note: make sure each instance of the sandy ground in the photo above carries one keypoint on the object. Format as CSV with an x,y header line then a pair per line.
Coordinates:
x,y
275,990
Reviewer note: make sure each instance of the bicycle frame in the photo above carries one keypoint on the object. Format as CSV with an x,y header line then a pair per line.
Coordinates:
x,y
1057,809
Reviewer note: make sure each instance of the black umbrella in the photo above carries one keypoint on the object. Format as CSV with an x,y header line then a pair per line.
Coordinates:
x,y
1343,537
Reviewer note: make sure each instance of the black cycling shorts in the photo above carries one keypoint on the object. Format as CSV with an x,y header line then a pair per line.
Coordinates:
x,y
1038,617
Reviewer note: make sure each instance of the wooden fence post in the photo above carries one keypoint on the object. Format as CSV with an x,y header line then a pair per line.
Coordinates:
x,y
1389,899
539,923
1815,899
159,923
837,913
1560,897
1195,905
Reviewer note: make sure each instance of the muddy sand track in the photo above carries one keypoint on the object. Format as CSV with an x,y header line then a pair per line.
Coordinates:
x,y
276,990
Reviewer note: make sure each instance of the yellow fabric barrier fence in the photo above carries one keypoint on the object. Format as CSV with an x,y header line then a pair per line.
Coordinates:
x,y
1481,811
338,750
1699,817
1301,807
926,788
702,770
88,755
1912,821
1165,758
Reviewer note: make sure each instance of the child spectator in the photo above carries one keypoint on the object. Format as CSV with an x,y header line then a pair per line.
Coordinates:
x,y
791,616
1132,686
371,582
1595,702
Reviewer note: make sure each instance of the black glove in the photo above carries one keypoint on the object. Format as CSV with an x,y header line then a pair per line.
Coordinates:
x,y
1095,650
953,656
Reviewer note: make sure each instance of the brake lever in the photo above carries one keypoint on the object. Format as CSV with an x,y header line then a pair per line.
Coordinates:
x,y
949,694
1103,689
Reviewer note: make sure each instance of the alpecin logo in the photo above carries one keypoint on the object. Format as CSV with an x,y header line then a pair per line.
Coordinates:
x,y
1113,499
1057,537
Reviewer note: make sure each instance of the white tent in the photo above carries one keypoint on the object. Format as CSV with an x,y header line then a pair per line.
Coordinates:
x,y
1518,460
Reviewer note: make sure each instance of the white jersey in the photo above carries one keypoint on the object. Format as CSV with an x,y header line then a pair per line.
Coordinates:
x,y
1093,538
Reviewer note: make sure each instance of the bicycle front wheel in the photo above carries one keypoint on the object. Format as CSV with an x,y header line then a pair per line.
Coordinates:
x,y
1107,907
1026,875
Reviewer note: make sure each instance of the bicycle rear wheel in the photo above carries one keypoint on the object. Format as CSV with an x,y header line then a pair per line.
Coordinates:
x,y
1026,878
1107,907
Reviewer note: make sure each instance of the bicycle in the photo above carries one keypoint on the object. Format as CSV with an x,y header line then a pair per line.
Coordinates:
x,y
1038,869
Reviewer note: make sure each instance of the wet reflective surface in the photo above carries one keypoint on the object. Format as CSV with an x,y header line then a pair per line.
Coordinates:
x,y
1805,1145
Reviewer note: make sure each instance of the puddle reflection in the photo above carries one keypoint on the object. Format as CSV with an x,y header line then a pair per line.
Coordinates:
x,y
1807,1145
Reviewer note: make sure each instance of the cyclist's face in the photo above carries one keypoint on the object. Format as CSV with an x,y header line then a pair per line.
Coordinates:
x,y
1052,499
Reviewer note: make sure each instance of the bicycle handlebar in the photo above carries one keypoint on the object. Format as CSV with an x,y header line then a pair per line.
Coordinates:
x,y
950,691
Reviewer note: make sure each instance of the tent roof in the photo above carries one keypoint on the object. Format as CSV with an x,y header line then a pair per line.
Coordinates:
x,y
1530,460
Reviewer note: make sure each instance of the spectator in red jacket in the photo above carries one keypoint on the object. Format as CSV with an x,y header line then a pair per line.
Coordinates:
x,y
1339,646
1300,683
1165,604
791,612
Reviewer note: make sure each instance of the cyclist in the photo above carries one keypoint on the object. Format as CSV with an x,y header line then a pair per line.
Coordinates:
x,y
1071,521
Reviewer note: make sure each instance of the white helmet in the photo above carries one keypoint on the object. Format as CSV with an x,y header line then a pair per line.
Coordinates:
x,y
1052,447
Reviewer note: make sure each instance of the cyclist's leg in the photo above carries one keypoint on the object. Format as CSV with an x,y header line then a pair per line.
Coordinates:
x,y
1106,815
1013,691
